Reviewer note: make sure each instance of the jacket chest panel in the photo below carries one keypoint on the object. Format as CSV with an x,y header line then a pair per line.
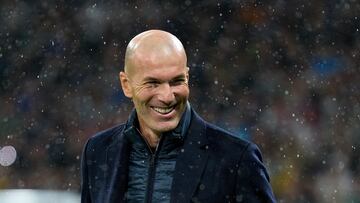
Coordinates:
x,y
218,177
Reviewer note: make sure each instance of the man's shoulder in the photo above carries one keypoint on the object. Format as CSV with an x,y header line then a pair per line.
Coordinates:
x,y
225,137
221,137
107,136
229,146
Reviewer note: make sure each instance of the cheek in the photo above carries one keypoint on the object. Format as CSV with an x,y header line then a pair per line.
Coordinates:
x,y
143,94
182,91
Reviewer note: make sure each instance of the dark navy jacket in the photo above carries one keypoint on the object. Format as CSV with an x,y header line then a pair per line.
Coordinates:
x,y
213,166
151,171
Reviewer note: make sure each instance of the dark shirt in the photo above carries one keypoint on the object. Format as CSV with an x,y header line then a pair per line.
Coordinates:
x,y
151,171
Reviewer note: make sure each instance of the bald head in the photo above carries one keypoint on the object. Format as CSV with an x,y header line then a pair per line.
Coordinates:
x,y
152,46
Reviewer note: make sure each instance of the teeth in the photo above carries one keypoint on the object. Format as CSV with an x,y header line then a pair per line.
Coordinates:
x,y
163,110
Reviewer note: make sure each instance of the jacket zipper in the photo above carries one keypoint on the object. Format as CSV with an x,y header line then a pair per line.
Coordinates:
x,y
151,171
151,178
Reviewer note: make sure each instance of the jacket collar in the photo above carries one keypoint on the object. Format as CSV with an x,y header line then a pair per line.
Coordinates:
x,y
116,169
191,161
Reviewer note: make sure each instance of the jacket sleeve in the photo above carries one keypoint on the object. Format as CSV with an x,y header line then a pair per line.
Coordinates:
x,y
253,184
85,186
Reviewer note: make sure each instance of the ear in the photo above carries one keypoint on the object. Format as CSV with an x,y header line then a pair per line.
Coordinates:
x,y
125,84
187,74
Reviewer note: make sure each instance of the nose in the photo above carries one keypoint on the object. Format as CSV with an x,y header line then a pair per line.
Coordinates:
x,y
166,94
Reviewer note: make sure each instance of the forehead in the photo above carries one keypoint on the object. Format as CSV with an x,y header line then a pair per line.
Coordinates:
x,y
158,66
164,73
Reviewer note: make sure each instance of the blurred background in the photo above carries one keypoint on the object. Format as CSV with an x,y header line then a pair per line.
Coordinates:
x,y
284,74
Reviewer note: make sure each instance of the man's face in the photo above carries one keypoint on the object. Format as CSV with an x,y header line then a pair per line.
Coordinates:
x,y
159,90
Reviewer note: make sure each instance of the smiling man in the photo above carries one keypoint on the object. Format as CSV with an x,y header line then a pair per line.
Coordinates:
x,y
165,152
156,79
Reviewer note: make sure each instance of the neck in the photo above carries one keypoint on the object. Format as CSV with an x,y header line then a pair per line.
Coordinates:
x,y
151,138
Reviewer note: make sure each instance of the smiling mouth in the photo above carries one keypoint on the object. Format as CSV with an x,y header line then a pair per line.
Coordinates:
x,y
163,110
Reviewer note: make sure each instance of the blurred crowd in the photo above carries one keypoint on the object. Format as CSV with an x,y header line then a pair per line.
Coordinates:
x,y
284,74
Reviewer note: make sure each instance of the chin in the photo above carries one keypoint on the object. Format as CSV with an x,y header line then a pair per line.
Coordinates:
x,y
168,127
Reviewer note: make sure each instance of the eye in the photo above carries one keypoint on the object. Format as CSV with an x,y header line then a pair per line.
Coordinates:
x,y
178,81
152,84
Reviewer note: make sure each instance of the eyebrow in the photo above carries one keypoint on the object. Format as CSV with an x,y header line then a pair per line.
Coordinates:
x,y
149,78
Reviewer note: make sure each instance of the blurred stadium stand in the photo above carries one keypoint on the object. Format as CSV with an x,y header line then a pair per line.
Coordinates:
x,y
284,74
